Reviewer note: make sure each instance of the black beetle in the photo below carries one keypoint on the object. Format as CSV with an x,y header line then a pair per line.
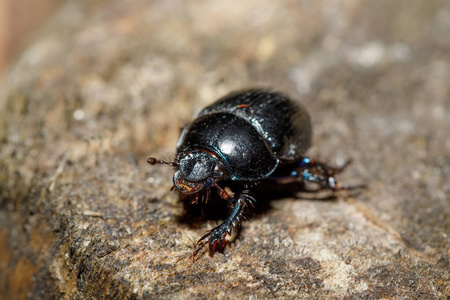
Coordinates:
x,y
243,139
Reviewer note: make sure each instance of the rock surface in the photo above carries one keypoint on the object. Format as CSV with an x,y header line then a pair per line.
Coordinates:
x,y
109,83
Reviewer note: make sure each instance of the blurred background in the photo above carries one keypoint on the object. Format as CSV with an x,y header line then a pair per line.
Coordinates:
x,y
19,22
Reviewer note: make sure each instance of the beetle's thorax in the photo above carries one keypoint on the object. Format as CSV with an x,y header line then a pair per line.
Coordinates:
x,y
197,169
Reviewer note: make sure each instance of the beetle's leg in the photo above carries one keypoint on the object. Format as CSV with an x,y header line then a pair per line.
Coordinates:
x,y
195,200
310,170
319,172
217,235
225,193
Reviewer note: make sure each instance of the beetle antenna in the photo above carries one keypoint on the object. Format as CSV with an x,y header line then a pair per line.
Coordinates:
x,y
154,161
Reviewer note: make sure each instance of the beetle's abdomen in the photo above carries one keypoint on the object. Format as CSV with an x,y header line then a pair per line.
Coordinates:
x,y
234,140
284,124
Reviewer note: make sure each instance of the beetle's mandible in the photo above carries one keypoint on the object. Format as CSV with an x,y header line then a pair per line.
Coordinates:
x,y
241,140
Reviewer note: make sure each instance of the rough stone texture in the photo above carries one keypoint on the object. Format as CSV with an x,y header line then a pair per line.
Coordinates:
x,y
109,83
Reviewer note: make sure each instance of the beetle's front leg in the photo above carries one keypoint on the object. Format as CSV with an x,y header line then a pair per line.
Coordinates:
x,y
217,235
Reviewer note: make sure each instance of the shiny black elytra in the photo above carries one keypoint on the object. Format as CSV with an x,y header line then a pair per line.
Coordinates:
x,y
244,139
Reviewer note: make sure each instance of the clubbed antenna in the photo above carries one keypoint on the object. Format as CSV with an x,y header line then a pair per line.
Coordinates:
x,y
154,161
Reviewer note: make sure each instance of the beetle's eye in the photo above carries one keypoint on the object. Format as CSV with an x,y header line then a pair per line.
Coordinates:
x,y
217,172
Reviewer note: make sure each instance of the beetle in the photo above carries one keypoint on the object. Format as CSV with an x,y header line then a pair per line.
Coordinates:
x,y
241,140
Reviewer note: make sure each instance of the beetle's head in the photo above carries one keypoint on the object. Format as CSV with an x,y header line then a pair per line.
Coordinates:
x,y
195,170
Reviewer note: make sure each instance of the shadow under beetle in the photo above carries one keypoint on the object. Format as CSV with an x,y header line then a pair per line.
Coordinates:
x,y
241,140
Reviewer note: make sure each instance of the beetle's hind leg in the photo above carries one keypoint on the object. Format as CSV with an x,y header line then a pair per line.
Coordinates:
x,y
215,238
310,170
318,172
